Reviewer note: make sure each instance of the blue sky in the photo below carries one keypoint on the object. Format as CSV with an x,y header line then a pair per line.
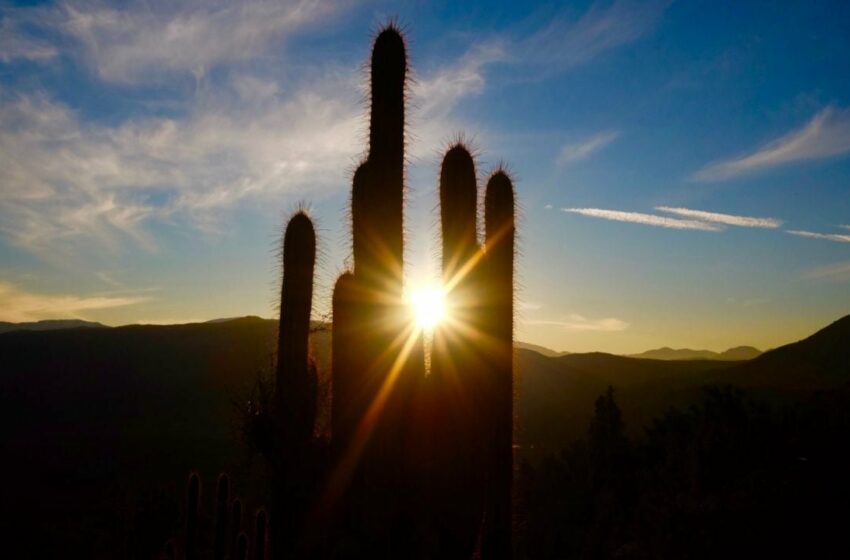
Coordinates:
x,y
683,168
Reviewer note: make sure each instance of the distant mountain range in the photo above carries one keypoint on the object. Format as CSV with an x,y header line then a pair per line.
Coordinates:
x,y
154,373
733,354
48,325
738,353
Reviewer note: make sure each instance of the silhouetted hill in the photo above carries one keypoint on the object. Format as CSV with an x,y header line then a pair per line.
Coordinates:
x,y
49,325
739,353
821,361
548,352
555,396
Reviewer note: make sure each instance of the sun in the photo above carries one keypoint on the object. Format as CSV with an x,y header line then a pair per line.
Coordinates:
x,y
428,306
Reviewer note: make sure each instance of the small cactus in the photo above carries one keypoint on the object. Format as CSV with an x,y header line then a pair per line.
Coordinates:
x,y
221,517
193,512
260,535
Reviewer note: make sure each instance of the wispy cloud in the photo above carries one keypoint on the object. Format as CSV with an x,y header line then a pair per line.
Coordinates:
x,y
827,134
578,151
575,322
436,94
727,219
844,226
17,305
838,272
565,42
840,237
15,43
645,219
141,40
65,179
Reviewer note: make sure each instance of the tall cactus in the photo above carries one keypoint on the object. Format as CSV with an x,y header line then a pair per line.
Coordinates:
x,y
499,209
456,380
418,463
296,392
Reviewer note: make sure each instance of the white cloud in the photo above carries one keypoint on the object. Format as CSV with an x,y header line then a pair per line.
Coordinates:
x,y
575,322
827,134
838,272
566,42
65,179
16,44
68,181
18,306
840,237
572,153
844,226
646,219
435,95
727,219
141,40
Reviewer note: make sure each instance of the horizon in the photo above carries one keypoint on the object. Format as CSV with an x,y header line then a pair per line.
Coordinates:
x,y
679,186
516,341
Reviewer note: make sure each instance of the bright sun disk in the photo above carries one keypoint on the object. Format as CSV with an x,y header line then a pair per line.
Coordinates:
x,y
429,307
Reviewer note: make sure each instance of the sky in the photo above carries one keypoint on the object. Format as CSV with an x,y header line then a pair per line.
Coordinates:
x,y
682,169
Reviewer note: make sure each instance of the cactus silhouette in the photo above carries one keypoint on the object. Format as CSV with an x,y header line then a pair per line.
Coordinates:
x,y
418,465
296,391
222,507
227,540
235,527
499,210
393,497
193,512
241,551
260,535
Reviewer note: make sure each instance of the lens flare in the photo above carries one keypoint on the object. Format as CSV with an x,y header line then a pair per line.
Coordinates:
x,y
428,306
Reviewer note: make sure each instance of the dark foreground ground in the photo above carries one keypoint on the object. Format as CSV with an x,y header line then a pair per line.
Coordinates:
x,y
103,425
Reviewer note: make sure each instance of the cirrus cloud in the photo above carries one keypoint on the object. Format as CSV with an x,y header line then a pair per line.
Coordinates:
x,y
826,135
645,219
840,237
576,322
727,219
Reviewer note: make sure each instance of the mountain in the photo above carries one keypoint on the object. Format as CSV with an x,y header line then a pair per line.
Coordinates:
x,y
548,352
49,325
819,362
228,319
738,353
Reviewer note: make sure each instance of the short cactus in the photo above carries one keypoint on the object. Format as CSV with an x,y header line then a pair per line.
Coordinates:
x,y
222,507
